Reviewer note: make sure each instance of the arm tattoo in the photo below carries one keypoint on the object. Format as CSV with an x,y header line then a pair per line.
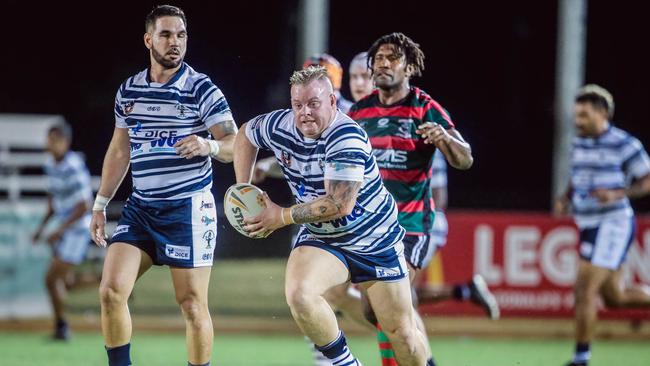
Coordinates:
x,y
340,195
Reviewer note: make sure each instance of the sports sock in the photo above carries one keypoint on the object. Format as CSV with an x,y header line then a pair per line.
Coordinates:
x,y
461,292
119,356
583,353
385,349
319,357
338,352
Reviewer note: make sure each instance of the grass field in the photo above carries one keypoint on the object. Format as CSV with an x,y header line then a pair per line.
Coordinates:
x,y
26,349
254,327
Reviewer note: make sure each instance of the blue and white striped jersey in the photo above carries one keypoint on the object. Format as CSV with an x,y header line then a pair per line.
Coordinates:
x,y
609,161
342,152
69,184
157,116
438,170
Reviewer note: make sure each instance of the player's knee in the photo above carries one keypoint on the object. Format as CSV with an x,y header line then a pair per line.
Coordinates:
x,y
300,299
193,309
403,332
613,300
111,295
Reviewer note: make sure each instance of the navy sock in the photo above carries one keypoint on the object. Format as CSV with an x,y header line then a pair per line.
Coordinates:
x,y
338,351
461,292
203,364
430,362
119,356
583,353
61,323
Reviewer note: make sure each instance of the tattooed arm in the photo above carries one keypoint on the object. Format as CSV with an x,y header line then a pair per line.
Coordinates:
x,y
337,202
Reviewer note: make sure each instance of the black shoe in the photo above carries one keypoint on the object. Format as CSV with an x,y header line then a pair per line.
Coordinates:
x,y
62,333
480,294
577,364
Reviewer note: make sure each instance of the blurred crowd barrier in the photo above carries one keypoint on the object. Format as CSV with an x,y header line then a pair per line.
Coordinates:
x,y
529,260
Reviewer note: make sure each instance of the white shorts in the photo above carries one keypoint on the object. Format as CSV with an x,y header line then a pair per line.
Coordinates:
x,y
73,245
607,245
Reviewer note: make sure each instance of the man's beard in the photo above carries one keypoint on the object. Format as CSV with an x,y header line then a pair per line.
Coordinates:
x,y
167,64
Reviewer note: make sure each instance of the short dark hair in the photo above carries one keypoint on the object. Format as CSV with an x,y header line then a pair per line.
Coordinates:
x,y
62,129
163,11
598,97
405,45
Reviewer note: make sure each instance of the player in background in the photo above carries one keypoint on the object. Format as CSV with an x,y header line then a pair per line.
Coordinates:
x,y
70,197
334,73
608,168
170,121
360,85
360,79
476,289
406,126
349,221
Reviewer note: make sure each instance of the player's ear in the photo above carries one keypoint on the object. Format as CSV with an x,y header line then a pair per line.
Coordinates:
x,y
409,70
147,40
333,100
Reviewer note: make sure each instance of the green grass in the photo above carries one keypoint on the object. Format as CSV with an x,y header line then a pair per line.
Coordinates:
x,y
237,287
25,349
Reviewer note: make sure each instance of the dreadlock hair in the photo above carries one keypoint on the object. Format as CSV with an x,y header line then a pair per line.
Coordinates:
x,y
405,46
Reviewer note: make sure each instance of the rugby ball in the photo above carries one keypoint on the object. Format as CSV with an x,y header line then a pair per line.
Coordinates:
x,y
242,201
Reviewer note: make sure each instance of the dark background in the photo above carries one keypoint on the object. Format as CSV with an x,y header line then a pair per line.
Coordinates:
x,y
491,64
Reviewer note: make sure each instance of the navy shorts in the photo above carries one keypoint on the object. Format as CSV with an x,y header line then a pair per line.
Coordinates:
x,y
178,233
607,244
388,265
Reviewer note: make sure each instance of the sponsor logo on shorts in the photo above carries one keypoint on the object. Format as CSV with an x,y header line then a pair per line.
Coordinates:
x,y
207,256
120,229
177,252
383,272
208,236
206,205
206,220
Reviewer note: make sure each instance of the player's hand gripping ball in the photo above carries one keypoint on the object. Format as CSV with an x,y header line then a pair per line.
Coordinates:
x,y
242,201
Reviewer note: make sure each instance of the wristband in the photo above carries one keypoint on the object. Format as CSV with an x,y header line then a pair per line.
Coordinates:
x,y
100,203
214,148
287,217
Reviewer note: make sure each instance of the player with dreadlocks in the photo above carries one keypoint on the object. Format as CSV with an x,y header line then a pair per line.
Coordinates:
x,y
406,126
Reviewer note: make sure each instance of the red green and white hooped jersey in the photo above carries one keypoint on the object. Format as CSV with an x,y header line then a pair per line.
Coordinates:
x,y
403,158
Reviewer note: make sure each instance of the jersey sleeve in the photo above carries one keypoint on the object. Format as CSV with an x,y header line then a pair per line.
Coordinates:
x,y
79,180
120,110
433,112
213,107
347,154
259,130
636,162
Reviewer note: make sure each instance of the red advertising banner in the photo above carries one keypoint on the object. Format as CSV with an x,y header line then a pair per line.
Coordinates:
x,y
528,260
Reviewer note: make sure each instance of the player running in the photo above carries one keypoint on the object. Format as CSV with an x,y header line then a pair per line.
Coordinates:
x,y
349,221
